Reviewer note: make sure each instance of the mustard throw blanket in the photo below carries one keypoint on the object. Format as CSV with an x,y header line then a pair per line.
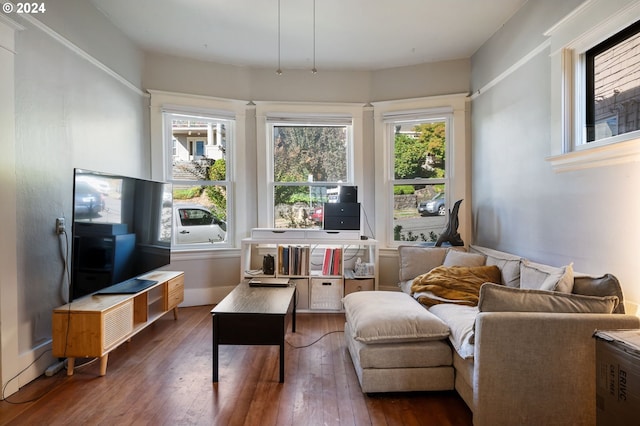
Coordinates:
x,y
453,284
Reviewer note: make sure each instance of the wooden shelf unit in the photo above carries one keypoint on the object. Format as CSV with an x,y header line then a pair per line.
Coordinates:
x,y
310,276
94,325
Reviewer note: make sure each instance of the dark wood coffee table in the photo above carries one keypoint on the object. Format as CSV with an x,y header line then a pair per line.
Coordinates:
x,y
253,316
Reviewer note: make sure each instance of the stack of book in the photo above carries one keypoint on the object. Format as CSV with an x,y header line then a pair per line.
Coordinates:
x,y
331,263
293,260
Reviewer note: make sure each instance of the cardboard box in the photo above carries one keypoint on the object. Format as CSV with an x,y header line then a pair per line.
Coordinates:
x,y
617,377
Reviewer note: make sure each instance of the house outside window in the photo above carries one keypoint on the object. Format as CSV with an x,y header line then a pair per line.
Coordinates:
x,y
311,159
612,74
419,179
594,64
198,152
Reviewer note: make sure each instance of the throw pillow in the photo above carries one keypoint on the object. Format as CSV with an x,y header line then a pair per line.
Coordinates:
x,y
462,258
496,298
416,260
390,316
509,264
454,284
536,276
606,285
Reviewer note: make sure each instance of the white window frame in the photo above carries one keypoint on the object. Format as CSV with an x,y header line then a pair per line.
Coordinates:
x,y
587,26
454,109
269,115
162,152
170,113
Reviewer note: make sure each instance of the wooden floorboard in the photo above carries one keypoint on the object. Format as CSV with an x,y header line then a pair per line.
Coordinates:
x,y
163,377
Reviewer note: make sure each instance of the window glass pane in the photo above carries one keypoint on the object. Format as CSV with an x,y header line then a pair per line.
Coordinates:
x,y
197,144
200,214
419,150
310,153
616,89
301,206
199,174
419,212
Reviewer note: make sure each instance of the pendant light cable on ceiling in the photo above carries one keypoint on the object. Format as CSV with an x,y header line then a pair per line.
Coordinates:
x,y
314,70
279,70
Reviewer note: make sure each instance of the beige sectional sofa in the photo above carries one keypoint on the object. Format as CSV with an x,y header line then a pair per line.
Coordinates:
x,y
524,355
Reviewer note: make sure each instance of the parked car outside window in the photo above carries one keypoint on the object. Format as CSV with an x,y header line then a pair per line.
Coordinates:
x,y
317,215
196,224
434,206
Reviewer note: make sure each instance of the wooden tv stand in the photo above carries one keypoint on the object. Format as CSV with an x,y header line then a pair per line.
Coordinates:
x,y
94,325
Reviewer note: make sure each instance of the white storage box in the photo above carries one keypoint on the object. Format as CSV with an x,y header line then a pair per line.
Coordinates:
x,y
326,293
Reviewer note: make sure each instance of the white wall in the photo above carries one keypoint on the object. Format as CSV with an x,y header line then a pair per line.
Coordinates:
x,y
521,205
173,74
8,236
71,110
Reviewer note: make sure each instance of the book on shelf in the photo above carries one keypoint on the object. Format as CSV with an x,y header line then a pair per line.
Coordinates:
x,y
285,260
293,260
331,263
326,261
337,258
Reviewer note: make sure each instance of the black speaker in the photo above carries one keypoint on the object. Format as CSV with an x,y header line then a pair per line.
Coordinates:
x,y
341,216
348,194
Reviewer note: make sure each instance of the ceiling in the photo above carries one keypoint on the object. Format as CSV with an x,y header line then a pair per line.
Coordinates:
x,y
349,34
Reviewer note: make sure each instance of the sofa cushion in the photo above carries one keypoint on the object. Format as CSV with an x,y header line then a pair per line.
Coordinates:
x,y
462,258
454,284
606,285
509,264
433,353
537,276
497,298
390,316
416,260
461,321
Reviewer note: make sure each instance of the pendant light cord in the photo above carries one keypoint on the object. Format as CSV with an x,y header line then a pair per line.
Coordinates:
x,y
314,70
279,70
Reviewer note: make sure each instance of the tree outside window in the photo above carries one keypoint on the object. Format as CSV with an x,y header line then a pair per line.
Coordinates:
x,y
309,162
419,179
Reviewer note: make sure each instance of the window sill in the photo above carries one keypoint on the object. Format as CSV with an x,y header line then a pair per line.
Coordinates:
x,y
600,156
203,254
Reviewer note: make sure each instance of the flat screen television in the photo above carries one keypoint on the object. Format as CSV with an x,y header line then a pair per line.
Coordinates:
x,y
121,230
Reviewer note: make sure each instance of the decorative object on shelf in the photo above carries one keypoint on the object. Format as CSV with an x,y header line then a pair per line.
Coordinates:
x,y
362,269
268,265
450,233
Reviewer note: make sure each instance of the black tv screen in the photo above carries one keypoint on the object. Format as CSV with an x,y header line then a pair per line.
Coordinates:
x,y
121,229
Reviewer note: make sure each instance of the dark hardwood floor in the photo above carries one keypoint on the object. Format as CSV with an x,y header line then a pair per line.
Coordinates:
x,y
163,377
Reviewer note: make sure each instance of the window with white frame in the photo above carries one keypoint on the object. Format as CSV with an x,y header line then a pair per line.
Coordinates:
x,y
418,145
593,72
198,150
612,94
311,158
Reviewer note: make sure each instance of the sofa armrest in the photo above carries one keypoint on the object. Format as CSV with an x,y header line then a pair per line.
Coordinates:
x,y
538,368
